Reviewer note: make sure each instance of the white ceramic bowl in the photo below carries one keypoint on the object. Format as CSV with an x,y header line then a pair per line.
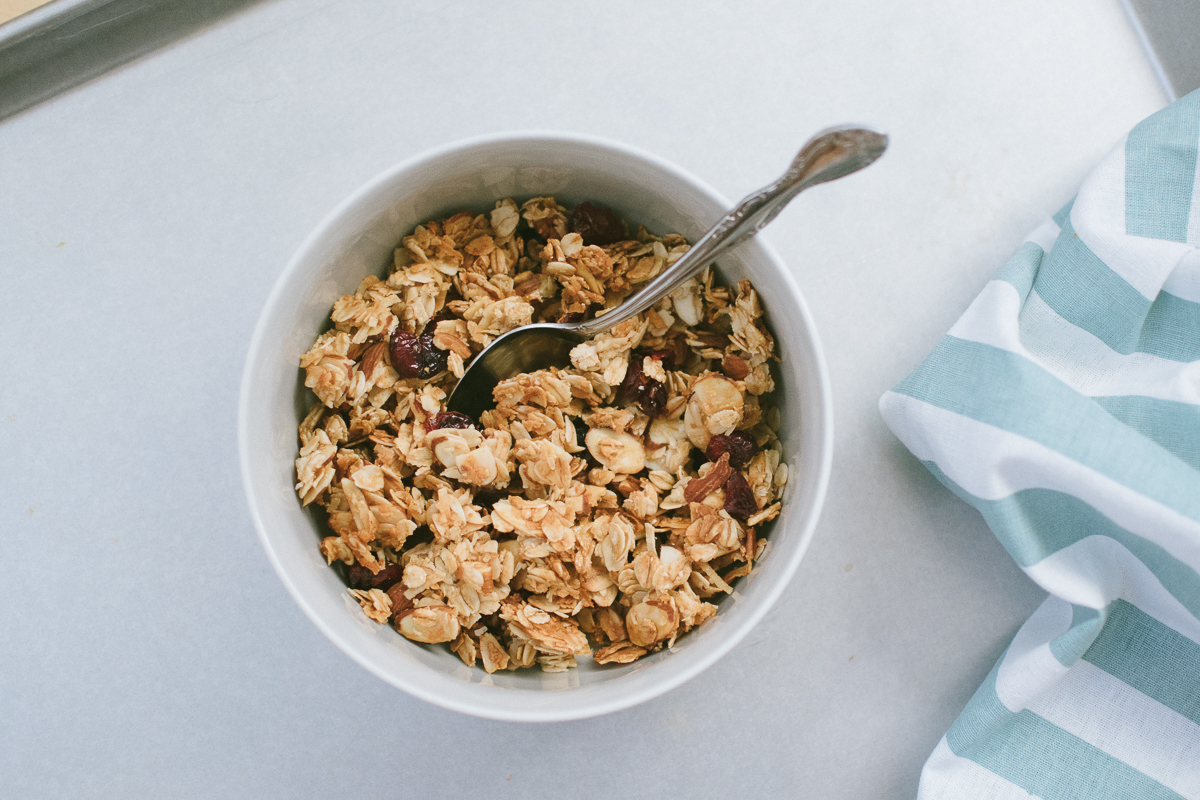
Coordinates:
x,y
357,239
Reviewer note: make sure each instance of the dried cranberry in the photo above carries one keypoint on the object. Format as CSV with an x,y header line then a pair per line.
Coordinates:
x,y
739,499
597,224
359,577
451,419
638,387
415,356
740,446
574,316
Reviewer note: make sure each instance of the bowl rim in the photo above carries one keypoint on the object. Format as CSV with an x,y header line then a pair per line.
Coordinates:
x,y
470,705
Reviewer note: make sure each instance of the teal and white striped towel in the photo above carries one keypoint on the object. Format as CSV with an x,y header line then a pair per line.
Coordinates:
x,y
1065,406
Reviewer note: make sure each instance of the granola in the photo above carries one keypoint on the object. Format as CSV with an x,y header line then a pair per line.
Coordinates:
x,y
598,509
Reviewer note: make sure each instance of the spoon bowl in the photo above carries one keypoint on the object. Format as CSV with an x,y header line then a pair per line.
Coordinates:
x,y
525,349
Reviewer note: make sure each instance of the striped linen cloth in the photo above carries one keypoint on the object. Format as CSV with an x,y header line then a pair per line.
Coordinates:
x,y
1065,406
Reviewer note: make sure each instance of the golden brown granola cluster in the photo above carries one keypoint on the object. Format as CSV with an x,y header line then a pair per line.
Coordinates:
x,y
597,509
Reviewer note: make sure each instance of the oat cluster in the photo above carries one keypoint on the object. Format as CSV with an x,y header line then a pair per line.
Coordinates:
x,y
597,509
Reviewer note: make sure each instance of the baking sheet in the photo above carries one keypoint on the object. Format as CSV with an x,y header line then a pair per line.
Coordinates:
x,y
1170,32
52,47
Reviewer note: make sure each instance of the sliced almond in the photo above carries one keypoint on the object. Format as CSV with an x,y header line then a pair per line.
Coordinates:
x,y
448,444
715,406
618,452
651,622
735,366
428,624
699,488
619,653
372,358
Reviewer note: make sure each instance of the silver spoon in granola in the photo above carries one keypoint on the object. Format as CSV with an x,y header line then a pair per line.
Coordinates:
x,y
831,154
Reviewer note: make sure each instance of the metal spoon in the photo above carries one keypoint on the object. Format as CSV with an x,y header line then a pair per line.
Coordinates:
x,y
829,155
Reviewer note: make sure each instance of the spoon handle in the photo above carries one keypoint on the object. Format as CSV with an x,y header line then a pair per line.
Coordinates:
x,y
831,154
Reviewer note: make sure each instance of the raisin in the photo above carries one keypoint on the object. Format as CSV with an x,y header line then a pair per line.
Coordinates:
x,y
451,419
740,446
597,224
359,577
415,356
739,499
649,394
